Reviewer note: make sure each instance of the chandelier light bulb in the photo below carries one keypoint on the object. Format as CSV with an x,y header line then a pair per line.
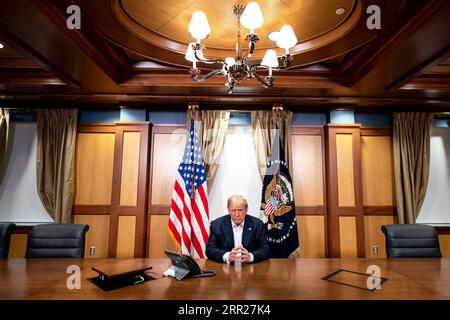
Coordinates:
x,y
199,27
230,61
287,38
252,17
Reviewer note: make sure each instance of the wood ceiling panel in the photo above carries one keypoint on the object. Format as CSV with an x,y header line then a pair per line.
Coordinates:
x,y
441,68
308,18
348,65
155,14
9,52
10,58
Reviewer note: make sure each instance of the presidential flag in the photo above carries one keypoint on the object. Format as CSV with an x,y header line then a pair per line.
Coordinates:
x,y
189,217
278,206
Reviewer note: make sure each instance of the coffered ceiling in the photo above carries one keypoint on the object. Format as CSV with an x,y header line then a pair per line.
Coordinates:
x,y
131,52
170,19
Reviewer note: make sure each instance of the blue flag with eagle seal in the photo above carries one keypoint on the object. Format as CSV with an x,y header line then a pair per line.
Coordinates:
x,y
278,206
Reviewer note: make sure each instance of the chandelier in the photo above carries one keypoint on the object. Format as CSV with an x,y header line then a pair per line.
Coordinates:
x,y
240,67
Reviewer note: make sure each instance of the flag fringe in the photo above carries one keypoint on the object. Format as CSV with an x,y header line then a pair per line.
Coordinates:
x,y
175,240
295,254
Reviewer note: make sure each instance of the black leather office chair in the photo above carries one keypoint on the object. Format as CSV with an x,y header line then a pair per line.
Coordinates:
x,y
57,241
411,241
6,229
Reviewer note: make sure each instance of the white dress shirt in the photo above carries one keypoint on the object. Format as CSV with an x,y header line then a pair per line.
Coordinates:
x,y
238,230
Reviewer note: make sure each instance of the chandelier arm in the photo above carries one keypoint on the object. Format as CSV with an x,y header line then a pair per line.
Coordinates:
x,y
265,83
261,66
285,66
196,72
208,61
251,48
252,39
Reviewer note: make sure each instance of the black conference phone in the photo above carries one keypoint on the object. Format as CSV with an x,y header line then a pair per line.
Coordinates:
x,y
184,266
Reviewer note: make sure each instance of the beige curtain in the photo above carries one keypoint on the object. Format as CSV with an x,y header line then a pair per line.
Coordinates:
x,y
55,161
411,144
214,132
4,135
264,124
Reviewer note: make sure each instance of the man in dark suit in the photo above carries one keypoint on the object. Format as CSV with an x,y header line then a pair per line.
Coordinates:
x,y
237,237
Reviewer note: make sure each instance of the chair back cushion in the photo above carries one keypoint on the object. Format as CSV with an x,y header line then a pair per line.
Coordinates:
x,y
57,241
411,241
6,229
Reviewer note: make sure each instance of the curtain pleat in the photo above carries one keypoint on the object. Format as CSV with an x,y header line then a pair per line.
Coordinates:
x,y
55,161
214,126
411,147
4,139
265,123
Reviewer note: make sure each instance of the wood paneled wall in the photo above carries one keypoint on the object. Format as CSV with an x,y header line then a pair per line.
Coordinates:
x,y
344,193
444,242
159,238
111,187
98,234
130,169
374,236
348,243
126,234
308,178
378,187
360,190
18,246
94,168
377,170
342,178
307,151
311,234
168,146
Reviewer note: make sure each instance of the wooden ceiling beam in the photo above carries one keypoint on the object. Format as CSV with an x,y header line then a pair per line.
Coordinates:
x,y
421,44
29,77
27,27
289,98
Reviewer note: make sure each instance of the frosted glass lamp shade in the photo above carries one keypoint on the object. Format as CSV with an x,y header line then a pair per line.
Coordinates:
x,y
252,17
230,61
287,38
190,53
270,59
199,26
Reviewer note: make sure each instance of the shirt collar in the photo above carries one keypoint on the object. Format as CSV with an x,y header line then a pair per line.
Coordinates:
x,y
234,225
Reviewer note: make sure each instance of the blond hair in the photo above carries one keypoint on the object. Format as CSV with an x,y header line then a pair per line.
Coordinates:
x,y
237,200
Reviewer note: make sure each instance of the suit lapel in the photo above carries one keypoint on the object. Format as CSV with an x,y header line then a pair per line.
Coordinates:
x,y
247,232
229,233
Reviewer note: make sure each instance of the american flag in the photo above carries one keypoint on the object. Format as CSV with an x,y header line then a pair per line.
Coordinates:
x,y
270,208
189,216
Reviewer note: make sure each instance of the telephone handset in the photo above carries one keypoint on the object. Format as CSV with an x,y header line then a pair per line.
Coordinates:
x,y
191,265
185,266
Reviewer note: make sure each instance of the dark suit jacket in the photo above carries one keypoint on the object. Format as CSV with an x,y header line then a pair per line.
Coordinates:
x,y
254,238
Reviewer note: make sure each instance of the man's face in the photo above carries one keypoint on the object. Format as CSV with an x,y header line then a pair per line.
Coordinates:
x,y
237,213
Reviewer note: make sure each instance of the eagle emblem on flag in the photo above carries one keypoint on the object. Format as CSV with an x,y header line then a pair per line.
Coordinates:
x,y
278,205
279,200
